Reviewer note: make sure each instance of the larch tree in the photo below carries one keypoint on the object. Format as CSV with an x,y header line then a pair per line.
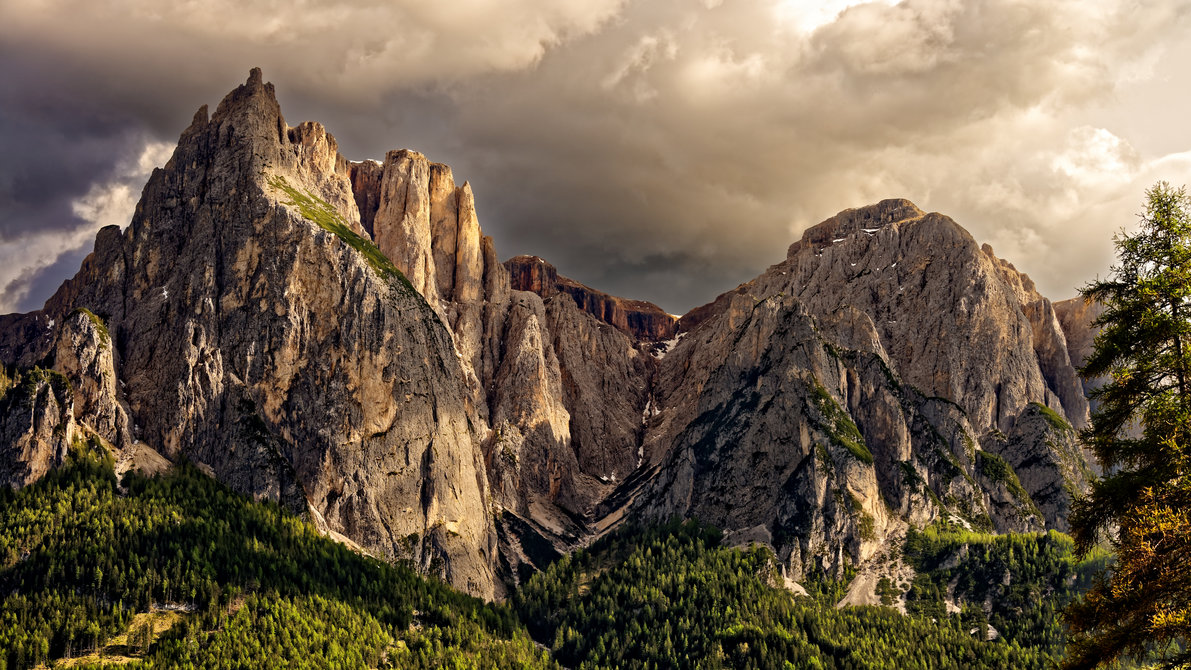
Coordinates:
x,y
1141,434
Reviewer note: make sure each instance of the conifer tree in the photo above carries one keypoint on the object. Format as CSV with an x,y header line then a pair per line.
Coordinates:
x,y
1141,434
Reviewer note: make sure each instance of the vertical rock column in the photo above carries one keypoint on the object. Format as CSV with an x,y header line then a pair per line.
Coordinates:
x,y
402,225
468,290
444,223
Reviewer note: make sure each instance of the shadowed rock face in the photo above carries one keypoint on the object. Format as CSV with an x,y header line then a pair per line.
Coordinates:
x,y
641,320
477,418
36,426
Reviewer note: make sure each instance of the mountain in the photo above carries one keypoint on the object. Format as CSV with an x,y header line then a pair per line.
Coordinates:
x,y
339,337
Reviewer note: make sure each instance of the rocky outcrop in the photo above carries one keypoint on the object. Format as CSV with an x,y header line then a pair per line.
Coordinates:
x,y
36,424
84,353
643,321
1047,460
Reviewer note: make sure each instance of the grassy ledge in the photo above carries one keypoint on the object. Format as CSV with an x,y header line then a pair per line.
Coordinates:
x,y
105,338
842,429
317,210
1052,417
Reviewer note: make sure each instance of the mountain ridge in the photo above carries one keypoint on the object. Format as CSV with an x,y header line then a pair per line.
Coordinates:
x,y
340,337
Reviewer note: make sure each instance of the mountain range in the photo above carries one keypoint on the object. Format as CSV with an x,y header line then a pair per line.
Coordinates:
x,y
341,338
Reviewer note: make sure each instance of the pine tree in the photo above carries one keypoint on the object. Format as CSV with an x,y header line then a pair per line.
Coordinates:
x,y
1141,434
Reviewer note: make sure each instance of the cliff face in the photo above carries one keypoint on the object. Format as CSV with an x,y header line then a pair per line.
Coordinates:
x,y
341,337
641,320
1077,318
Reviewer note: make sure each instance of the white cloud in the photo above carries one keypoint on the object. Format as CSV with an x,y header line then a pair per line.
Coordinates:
x,y
113,202
806,16
341,46
109,203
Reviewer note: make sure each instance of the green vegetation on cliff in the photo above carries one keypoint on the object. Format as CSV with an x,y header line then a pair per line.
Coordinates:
x,y
319,211
1018,584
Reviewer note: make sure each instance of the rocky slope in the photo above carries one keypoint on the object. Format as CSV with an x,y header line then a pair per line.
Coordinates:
x,y
341,337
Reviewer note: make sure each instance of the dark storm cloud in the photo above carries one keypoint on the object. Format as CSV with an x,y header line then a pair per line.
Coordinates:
x,y
55,146
665,149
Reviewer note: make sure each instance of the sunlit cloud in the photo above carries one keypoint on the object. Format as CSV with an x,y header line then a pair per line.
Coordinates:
x,y
669,149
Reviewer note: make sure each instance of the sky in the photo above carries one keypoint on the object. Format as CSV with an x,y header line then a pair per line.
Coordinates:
x,y
657,149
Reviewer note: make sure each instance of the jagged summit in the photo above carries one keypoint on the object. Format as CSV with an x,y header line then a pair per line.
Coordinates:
x,y
340,337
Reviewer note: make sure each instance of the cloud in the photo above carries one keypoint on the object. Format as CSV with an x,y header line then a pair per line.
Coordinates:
x,y
334,47
665,149
25,256
750,136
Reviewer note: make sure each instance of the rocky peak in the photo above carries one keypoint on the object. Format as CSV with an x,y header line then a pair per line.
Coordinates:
x,y
641,320
849,221
245,320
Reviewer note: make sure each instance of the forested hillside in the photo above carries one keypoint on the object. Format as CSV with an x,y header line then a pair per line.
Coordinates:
x,y
674,597
177,570
81,555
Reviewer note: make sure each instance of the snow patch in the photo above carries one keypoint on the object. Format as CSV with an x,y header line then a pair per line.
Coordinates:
x,y
870,231
839,240
649,411
662,348
50,325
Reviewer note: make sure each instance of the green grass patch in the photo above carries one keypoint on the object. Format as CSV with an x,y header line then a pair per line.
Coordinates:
x,y
317,210
840,427
105,338
1052,417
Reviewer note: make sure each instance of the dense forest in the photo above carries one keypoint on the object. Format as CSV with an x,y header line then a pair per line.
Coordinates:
x,y
81,555
1018,584
178,571
674,597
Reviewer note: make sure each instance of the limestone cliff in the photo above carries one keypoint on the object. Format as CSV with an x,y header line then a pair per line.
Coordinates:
x,y
867,381
641,320
255,329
